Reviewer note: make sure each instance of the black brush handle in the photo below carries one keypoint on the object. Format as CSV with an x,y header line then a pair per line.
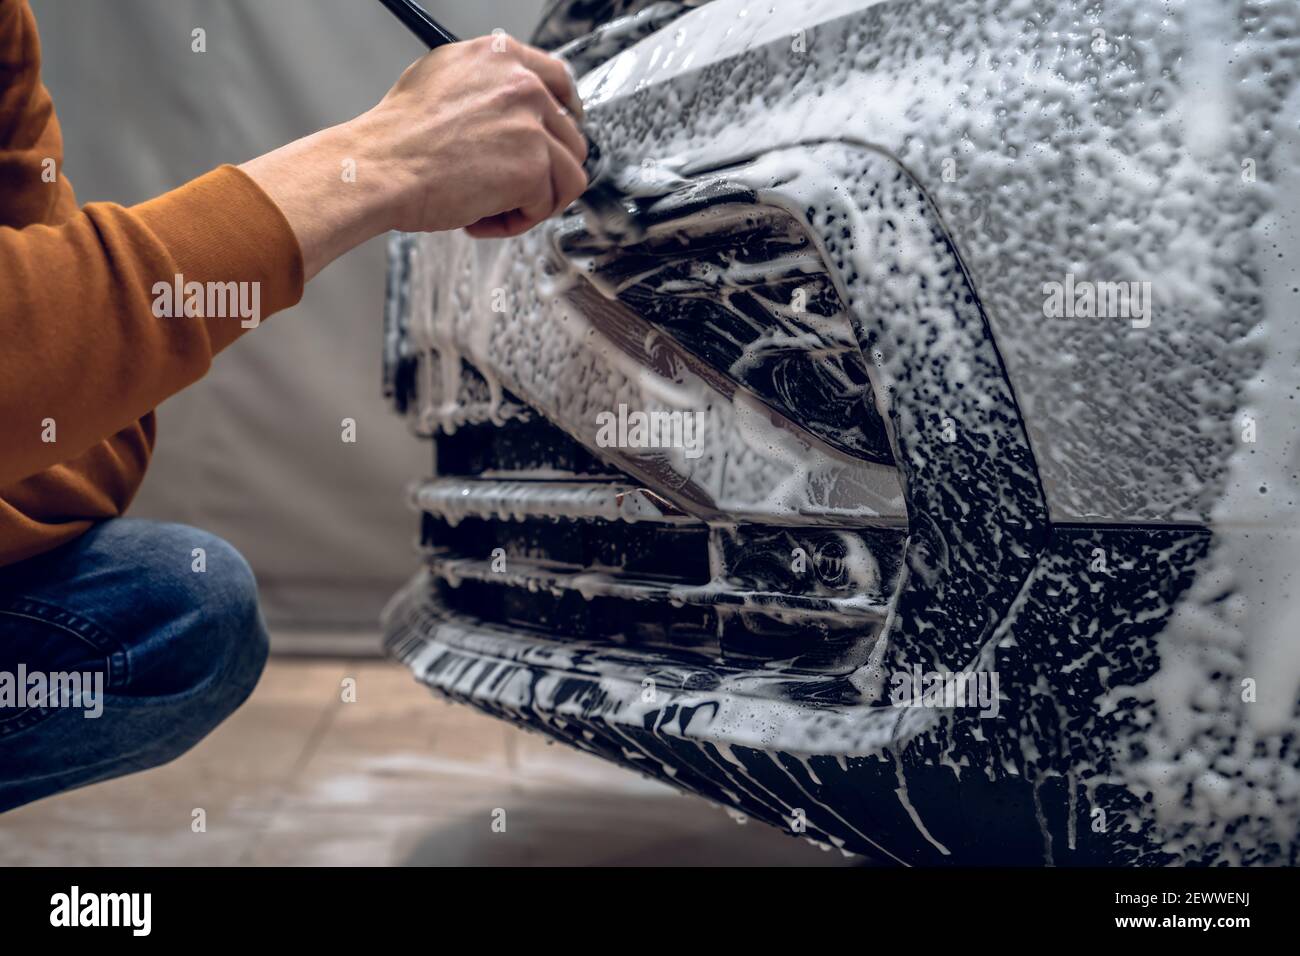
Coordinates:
x,y
418,21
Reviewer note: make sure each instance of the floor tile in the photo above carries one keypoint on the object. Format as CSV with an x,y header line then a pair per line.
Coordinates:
x,y
351,762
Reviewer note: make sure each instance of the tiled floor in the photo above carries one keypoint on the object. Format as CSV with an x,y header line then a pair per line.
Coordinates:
x,y
299,776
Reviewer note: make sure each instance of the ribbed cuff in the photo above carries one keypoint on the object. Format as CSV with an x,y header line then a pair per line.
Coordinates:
x,y
222,227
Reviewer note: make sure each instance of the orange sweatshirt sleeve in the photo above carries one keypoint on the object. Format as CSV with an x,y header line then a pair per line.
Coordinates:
x,y
84,358
84,348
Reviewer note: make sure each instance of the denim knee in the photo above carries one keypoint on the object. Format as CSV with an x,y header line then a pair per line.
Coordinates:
x,y
212,645
173,611
195,618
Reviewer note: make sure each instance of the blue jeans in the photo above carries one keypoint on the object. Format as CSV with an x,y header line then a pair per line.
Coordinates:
x,y
165,615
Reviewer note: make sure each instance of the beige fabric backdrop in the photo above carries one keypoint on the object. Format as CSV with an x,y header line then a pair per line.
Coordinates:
x,y
253,452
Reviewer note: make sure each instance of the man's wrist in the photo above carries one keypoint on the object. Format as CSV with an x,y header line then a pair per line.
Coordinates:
x,y
333,193
357,145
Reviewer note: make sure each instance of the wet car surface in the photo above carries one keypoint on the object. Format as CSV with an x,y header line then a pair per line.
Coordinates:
x,y
897,481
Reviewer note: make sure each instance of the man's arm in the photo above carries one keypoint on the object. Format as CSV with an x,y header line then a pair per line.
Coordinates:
x,y
475,134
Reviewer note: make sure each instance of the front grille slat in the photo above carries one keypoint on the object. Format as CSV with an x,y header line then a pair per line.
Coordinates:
x,y
589,584
598,559
454,499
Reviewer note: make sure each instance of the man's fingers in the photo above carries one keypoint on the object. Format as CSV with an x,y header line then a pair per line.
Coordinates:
x,y
516,222
499,226
560,124
565,181
555,74
540,208
568,181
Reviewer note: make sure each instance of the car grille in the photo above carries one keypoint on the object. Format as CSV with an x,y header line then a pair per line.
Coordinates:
x,y
524,528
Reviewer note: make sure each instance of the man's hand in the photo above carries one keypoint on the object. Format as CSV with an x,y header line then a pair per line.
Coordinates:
x,y
478,134
480,138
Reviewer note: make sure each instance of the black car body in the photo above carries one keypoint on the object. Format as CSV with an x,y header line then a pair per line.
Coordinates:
x,y
960,524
